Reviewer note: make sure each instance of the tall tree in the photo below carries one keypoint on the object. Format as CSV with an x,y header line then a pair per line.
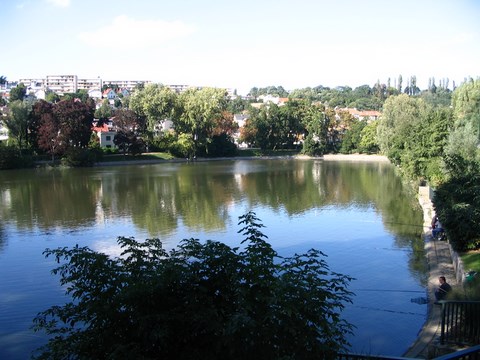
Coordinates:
x,y
75,119
17,122
466,105
399,113
156,103
50,136
197,112
316,124
40,109
18,93
104,112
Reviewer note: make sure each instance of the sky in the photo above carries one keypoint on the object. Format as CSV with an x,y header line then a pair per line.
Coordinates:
x,y
243,44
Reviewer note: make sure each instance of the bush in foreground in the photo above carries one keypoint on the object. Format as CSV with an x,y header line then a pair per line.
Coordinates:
x,y
199,301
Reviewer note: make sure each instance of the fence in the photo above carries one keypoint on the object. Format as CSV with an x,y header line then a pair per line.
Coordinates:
x,y
460,322
472,353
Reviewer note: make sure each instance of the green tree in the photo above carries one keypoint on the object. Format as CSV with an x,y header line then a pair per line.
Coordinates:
x,y
17,122
267,125
368,142
316,134
52,97
425,143
128,142
466,105
197,113
291,115
203,300
155,103
352,138
457,202
395,124
104,112
18,93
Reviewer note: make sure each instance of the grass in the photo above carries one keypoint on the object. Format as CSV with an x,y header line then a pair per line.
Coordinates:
x,y
259,152
471,260
146,156
167,156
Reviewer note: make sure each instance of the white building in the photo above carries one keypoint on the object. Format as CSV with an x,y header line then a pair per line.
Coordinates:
x,y
62,84
126,84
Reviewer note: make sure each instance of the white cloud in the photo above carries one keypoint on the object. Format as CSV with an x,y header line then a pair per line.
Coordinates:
x,y
125,32
60,3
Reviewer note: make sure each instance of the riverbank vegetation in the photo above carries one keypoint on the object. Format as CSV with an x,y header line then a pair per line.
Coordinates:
x,y
431,135
202,300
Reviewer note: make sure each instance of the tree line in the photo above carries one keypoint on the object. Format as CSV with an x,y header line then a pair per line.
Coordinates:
x,y
203,119
432,135
439,145
210,300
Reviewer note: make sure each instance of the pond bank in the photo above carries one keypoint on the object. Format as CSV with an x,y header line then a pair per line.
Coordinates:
x,y
439,263
327,157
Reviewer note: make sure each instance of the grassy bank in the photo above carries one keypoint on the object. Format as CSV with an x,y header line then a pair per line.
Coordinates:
x,y
471,260
145,156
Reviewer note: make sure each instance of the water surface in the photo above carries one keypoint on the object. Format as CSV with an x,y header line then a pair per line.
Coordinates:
x,y
359,214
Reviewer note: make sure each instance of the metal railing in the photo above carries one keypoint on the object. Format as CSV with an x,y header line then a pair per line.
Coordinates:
x,y
472,353
460,322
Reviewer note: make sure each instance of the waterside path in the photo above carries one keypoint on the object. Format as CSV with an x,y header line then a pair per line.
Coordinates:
x,y
439,262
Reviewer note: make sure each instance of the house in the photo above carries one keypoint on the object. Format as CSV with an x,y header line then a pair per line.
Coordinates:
x,y
3,126
109,94
367,115
124,92
105,136
40,94
95,94
240,119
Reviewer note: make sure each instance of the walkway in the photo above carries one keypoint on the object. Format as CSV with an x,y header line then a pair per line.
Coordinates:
x,y
439,260
439,263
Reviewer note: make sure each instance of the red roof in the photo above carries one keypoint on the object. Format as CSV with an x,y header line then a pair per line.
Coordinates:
x,y
103,128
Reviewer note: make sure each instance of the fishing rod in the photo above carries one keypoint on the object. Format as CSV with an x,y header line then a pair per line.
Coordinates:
x,y
390,311
392,290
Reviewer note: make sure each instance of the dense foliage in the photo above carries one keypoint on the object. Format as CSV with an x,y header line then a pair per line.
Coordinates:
x,y
440,144
457,202
199,301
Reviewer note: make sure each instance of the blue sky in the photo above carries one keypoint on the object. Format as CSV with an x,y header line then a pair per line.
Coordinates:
x,y
242,44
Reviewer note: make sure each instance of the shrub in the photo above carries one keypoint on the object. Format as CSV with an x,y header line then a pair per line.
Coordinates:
x,y
10,158
222,145
199,301
78,157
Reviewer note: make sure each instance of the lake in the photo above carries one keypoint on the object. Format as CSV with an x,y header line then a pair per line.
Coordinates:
x,y
358,213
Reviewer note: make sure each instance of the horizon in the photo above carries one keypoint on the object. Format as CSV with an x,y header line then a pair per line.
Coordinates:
x,y
240,46
451,83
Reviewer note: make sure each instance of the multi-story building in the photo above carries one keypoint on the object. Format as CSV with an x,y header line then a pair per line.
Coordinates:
x,y
89,84
179,88
62,84
126,84
37,83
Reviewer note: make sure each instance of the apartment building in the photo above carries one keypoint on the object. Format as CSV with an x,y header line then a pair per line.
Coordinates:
x,y
126,84
62,84
89,84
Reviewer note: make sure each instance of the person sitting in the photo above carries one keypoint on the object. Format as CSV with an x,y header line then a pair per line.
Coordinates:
x,y
443,289
437,228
